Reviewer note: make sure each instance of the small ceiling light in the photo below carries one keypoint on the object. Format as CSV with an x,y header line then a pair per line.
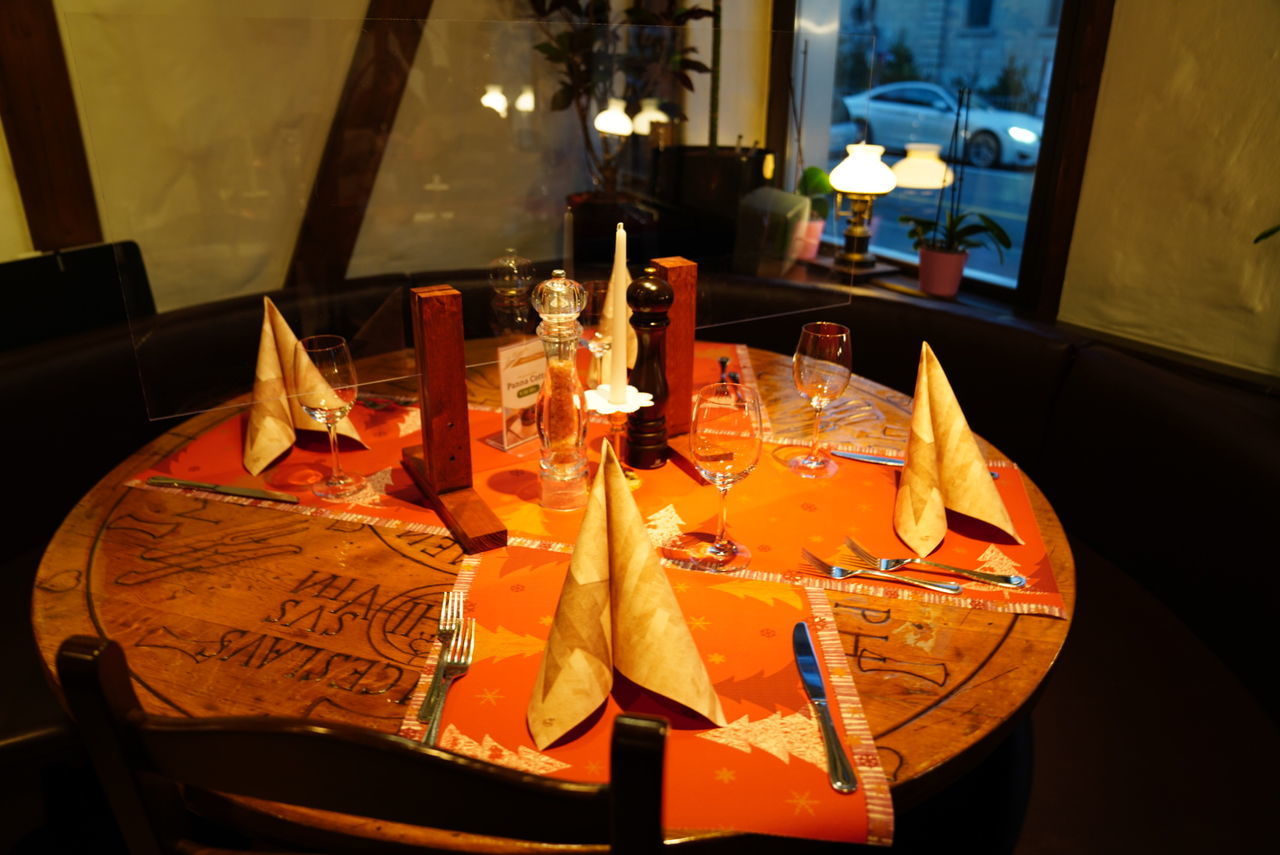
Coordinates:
x,y
494,99
614,119
524,101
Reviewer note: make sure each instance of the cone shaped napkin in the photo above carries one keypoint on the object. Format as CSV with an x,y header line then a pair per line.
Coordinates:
x,y
274,418
944,467
616,610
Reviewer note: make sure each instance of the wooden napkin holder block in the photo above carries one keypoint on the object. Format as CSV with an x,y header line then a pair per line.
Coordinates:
x,y
441,468
682,275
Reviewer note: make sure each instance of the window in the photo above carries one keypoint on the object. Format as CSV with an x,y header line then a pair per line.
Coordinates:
x,y
897,70
1054,13
978,14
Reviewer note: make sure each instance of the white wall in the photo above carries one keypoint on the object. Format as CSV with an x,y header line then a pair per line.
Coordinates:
x,y
15,240
744,75
204,122
1182,174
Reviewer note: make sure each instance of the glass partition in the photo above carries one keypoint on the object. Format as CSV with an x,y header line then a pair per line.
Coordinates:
x,y
302,152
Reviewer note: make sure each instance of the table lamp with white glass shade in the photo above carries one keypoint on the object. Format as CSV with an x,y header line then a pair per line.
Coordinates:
x,y
860,177
649,113
494,99
614,119
922,168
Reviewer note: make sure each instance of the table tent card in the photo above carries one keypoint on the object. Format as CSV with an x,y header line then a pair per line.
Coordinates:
x,y
276,416
521,370
616,610
944,469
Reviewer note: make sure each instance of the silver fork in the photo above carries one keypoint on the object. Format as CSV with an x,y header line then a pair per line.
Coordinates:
x,y
454,663
889,564
835,571
447,625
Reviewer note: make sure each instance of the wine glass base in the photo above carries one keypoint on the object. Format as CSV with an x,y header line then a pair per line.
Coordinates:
x,y
334,489
698,548
818,466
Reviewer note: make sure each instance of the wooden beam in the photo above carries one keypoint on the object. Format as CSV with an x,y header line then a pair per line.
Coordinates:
x,y
1068,124
782,45
38,110
357,140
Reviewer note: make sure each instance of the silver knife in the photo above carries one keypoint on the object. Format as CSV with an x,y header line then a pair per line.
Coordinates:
x,y
876,458
839,769
246,492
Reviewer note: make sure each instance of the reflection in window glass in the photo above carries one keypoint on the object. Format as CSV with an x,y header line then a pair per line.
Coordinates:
x,y
979,13
898,69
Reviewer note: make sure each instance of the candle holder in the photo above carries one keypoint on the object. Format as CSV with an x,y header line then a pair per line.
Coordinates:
x,y
598,402
561,408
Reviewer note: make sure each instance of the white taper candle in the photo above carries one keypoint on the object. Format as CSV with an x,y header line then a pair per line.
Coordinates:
x,y
618,282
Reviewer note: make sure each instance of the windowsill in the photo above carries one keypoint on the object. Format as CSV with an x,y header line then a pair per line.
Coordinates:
x,y
899,279
901,285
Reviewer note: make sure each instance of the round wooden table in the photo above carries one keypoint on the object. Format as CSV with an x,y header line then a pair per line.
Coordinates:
x,y
202,595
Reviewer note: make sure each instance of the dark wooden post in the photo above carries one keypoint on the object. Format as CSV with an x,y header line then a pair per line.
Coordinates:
x,y
682,275
442,466
650,298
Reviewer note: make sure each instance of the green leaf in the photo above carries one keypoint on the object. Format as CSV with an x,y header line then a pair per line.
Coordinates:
x,y
814,181
968,231
692,14
999,234
563,98
695,65
551,52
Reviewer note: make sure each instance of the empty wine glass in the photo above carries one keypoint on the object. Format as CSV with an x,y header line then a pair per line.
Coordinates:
x,y
821,370
328,398
726,447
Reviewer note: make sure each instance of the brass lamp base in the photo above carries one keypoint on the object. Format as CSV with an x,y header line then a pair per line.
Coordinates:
x,y
856,257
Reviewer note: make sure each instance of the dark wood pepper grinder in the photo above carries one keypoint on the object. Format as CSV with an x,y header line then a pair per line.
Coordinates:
x,y
650,299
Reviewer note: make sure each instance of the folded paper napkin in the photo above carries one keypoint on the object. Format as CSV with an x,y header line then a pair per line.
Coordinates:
x,y
616,610
944,467
274,416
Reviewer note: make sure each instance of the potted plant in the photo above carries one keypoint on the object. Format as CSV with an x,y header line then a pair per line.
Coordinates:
x,y
595,50
944,247
815,184
585,40
944,241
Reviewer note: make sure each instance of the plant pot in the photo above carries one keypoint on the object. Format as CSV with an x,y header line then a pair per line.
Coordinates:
x,y
941,271
810,238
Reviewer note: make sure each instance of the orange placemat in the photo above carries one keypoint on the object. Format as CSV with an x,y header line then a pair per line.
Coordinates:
x,y
765,772
773,512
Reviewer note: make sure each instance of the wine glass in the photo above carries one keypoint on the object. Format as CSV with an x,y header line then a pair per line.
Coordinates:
x,y
726,442
821,370
326,379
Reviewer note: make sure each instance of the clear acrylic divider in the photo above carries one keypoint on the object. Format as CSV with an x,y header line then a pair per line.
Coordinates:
x,y
296,152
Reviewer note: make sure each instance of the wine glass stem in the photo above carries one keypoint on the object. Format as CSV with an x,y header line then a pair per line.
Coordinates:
x,y
337,475
722,543
817,432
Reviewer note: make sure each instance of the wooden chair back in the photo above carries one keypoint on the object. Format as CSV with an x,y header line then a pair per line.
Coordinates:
x,y
341,768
